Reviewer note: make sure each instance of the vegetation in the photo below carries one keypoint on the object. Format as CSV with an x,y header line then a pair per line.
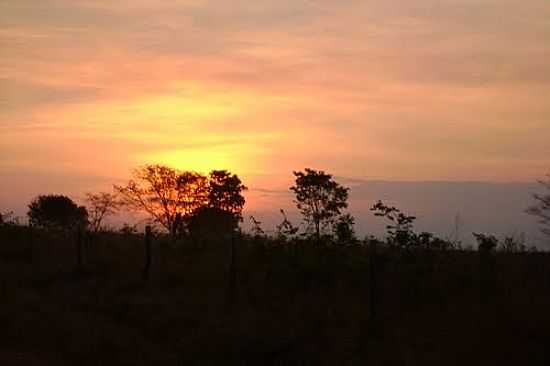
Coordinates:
x,y
541,209
213,294
7,218
56,212
172,198
165,194
100,206
319,198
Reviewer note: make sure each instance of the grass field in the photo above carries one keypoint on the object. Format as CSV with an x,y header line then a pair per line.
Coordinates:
x,y
266,303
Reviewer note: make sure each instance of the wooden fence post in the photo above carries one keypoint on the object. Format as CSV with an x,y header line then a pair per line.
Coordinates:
x,y
79,247
147,253
487,275
232,273
30,249
373,285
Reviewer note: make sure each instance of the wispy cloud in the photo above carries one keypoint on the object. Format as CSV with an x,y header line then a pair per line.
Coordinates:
x,y
386,89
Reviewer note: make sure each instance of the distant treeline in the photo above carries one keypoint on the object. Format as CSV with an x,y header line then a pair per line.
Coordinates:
x,y
188,205
193,288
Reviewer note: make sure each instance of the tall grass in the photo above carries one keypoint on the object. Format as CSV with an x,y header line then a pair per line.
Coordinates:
x,y
290,302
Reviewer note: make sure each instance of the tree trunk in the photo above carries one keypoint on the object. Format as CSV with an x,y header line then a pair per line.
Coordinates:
x,y
147,253
30,249
79,235
317,231
232,274
373,288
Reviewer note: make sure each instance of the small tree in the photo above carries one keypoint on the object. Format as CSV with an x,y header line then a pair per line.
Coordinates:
x,y
541,209
172,198
286,230
257,230
8,219
400,231
212,223
222,212
225,192
513,244
100,206
486,242
319,198
165,194
56,212
343,229
192,192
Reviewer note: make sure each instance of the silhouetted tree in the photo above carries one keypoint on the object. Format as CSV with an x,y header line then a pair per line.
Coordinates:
x,y
193,192
225,192
343,229
319,198
173,198
430,241
7,218
56,212
400,231
486,243
257,230
221,215
165,194
541,209
212,223
128,229
285,230
513,244
100,205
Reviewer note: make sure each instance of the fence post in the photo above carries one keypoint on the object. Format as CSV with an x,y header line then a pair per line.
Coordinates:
x,y
30,249
487,274
79,247
232,273
373,288
147,253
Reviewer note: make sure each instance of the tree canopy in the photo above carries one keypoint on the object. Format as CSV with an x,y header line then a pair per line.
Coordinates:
x,y
319,198
541,209
172,197
56,212
225,192
100,205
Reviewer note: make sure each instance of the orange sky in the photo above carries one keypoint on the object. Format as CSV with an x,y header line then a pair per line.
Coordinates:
x,y
396,90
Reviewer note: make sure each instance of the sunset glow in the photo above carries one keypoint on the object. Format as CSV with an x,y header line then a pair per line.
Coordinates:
x,y
414,91
274,182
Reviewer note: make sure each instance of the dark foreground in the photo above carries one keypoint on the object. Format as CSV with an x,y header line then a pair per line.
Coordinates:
x,y
273,304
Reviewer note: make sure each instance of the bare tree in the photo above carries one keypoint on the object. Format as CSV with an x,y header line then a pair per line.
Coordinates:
x,y
541,209
174,198
165,194
100,206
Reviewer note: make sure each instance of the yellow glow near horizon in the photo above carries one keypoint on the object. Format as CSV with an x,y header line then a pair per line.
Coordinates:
x,y
89,90
195,128
195,101
201,161
190,126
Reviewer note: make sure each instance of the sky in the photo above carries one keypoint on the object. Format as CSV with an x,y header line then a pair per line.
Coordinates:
x,y
394,91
